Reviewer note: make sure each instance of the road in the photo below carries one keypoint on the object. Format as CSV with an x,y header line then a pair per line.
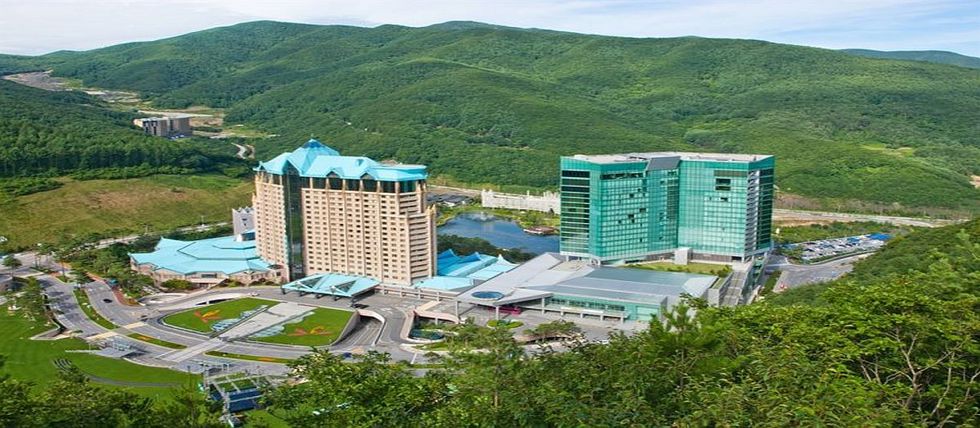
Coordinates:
x,y
127,239
784,215
245,151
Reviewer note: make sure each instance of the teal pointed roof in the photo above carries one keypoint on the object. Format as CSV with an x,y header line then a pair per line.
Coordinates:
x,y
223,254
314,159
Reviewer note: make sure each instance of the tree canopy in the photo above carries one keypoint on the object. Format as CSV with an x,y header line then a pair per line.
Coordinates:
x,y
898,349
489,104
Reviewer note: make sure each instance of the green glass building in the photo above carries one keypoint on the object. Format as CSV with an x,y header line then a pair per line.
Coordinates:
x,y
641,206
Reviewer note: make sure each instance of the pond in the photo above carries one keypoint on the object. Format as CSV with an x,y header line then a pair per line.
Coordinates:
x,y
500,232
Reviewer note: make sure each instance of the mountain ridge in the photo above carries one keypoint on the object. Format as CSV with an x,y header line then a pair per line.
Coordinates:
x,y
933,56
495,105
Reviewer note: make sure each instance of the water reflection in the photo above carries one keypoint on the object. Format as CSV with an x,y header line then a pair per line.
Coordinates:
x,y
500,232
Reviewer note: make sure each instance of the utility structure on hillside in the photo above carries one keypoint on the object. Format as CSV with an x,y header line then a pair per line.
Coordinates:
x,y
645,206
320,212
176,126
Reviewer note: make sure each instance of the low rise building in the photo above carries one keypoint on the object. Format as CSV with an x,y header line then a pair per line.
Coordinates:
x,y
204,262
243,221
551,283
546,202
176,126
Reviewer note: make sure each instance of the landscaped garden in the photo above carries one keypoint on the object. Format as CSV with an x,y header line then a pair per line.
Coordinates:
x,y
320,327
718,270
507,324
203,319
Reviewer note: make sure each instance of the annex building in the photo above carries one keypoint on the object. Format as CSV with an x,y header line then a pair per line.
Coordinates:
x,y
204,262
644,206
551,283
318,212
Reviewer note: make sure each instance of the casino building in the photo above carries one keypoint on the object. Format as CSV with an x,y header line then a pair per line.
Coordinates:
x,y
642,206
317,211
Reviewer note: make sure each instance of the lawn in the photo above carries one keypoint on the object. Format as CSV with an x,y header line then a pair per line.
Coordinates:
x,y
33,360
247,357
115,207
201,319
702,268
90,312
262,418
156,341
123,371
320,327
508,324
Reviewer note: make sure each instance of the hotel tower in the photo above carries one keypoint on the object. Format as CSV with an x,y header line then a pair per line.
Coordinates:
x,y
642,206
319,212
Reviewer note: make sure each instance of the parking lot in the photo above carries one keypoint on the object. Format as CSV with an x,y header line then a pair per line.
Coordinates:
x,y
814,251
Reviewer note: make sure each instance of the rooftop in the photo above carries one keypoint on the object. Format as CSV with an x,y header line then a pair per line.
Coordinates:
x,y
316,160
458,273
332,283
687,156
548,274
224,255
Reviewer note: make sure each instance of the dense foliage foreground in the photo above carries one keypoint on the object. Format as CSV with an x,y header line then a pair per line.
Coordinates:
x,y
893,348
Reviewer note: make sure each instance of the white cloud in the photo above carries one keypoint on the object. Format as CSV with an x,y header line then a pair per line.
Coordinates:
x,y
44,25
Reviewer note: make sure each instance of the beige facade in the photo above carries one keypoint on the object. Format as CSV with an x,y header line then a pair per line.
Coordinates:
x,y
364,227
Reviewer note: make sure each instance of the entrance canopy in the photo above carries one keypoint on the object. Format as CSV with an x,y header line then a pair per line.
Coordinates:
x,y
332,284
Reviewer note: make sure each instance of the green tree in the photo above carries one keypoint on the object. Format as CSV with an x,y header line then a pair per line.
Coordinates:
x,y
10,261
189,408
17,407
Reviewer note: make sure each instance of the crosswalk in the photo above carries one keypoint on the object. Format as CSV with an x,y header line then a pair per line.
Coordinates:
x,y
190,352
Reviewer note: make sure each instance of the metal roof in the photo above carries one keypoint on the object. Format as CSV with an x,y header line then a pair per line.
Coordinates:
x,y
332,283
548,275
314,159
223,254
687,156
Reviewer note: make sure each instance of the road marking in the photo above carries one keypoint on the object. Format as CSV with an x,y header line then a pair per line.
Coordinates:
x,y
134,325
105,335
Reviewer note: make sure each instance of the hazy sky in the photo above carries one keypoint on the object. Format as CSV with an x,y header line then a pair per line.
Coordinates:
x,y
40,26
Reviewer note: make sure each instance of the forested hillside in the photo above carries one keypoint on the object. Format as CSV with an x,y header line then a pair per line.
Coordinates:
x,y
939,57
54,133
489,104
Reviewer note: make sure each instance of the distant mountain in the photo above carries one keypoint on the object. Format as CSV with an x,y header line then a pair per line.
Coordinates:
x,y
939,57
487,104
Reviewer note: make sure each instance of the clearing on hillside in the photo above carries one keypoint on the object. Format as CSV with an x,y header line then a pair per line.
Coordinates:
x,y
117,207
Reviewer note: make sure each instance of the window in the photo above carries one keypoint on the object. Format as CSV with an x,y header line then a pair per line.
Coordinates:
x,y
581,174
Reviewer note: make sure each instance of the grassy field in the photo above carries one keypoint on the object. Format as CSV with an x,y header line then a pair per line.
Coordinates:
x,y
201,319
319,328
156,341
247,357
86,305
702,268
119,206
33,360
